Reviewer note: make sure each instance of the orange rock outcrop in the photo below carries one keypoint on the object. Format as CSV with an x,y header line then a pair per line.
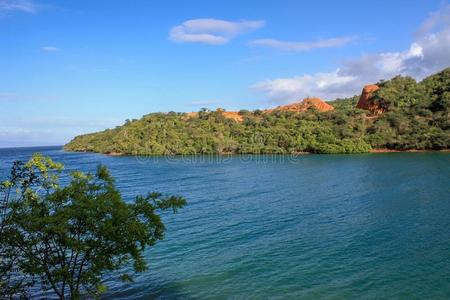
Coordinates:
x,y
234,115
366,102
317,103
192,114
302,106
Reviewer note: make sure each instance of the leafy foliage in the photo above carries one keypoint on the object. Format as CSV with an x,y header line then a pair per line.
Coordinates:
x,y
64,239
417,118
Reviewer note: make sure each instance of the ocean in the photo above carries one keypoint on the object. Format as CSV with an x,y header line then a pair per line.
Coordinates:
x,y
368,226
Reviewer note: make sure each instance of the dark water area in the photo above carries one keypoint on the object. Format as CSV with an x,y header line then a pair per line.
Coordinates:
x,y
369,226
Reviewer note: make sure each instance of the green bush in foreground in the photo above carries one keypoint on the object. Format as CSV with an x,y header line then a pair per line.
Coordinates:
x,y
62,239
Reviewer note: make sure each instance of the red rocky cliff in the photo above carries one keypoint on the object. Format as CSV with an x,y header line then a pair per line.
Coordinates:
x,y
366,102
316,103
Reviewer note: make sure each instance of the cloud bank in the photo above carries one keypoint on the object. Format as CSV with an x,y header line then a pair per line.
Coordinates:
x,y
48,130
429,53
50,49
211,31
17,5
303,46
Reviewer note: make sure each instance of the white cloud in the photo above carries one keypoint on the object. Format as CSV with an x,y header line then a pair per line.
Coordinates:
x,y
26,137
323,85
44,131
50,49
64,122
303,46
429,53
18,5
211,31
8,96
436,19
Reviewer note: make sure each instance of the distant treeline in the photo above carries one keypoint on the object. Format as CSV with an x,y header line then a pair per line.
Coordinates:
x,y
417,117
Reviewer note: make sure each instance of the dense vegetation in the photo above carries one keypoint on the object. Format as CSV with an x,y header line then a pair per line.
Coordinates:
x,y
417,118
63,240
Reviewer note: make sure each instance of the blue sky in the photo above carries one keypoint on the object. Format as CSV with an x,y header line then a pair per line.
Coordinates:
x,y
72,67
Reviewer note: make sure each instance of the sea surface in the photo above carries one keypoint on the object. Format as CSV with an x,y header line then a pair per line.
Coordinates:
x,y
369,226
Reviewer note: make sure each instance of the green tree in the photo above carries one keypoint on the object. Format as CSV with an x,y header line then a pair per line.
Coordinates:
x,y
64,238
417,117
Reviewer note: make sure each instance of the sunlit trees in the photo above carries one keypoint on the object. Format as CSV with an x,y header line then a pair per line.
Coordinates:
x,y
63,239
417,117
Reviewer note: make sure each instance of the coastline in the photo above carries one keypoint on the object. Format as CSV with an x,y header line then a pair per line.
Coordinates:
x,y
383,150
373,151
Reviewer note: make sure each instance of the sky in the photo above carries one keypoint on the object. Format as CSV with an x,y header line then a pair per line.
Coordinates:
x,y
74,67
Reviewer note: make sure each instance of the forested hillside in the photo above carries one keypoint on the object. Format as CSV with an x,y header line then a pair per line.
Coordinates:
x,y
415,116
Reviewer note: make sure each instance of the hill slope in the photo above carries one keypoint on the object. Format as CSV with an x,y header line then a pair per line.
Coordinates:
x,y
415,116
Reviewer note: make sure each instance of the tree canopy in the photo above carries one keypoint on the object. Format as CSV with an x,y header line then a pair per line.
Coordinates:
x,y
417,117
63,239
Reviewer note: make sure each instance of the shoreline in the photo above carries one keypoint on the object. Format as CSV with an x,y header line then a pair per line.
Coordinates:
x,y
373,151
409,150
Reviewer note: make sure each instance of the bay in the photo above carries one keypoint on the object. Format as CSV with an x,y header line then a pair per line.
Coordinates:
x,y
369,226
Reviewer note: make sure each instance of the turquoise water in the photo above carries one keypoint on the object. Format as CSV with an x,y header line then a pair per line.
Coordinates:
x,y
373,226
